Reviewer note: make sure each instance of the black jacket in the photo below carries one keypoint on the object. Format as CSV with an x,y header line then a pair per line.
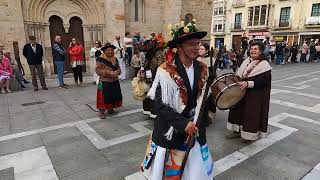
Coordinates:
x,y
58,52
32,57
166,116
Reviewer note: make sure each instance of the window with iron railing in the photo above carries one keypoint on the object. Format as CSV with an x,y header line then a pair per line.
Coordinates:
x,y
237,20
315,9
285,17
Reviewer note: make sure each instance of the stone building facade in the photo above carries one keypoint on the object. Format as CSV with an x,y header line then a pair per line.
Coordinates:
x,y
281,20
89,20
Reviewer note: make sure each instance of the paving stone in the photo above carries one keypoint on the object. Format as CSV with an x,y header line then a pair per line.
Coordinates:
x,y
271,165
103,173
7,174
57,137
126,157
86,114
238,174
20,144
25,121
110,128
77,163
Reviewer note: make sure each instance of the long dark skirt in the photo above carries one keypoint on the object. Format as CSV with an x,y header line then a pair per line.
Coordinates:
x,y
109,95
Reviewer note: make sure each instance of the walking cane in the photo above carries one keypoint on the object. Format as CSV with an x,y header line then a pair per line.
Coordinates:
x,y
212,76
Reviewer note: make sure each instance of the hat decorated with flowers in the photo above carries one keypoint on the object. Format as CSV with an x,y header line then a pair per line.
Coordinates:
x,y
182,31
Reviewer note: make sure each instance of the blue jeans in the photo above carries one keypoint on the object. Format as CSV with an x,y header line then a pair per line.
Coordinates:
x,y
279,59
60,70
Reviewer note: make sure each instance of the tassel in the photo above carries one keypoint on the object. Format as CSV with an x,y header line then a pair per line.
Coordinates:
x,y
170,55
169,134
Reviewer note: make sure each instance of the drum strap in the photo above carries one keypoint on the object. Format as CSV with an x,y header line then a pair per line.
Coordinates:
x,y
250,70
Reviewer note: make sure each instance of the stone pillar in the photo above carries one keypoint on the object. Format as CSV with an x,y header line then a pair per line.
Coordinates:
x,y
88,44
48,60
115,22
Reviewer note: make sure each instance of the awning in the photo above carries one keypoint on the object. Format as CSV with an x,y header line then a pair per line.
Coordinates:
x,y
309,33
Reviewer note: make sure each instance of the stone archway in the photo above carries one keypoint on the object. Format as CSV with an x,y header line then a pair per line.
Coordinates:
x,y
38,12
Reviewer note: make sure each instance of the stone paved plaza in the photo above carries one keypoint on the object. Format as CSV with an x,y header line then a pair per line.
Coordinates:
x,y
54,134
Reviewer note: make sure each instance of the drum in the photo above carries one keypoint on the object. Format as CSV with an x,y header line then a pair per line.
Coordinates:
x,y
225,91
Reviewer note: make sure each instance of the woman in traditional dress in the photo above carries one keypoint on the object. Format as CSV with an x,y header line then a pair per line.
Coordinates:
x,y
249,119
109,92
94,53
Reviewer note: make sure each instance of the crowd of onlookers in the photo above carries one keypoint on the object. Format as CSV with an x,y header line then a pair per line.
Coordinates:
x,y
128,52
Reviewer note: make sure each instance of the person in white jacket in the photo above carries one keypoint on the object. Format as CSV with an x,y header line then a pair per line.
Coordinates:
x,y
94,53
120,54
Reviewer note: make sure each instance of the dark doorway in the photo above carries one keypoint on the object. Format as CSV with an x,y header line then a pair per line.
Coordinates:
x,y
236,41
75,30
57,29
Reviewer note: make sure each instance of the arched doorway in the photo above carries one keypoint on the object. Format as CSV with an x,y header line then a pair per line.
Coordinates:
x,y
57,29
75,30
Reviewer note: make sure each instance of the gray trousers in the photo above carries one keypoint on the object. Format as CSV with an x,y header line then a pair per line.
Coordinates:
x,y
37,69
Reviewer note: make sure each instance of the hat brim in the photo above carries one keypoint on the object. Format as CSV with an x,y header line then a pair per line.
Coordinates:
x,y
108,46
194,35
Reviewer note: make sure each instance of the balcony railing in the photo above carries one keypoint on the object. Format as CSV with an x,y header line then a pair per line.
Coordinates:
x,y
236,27
238,3
277,24
313,21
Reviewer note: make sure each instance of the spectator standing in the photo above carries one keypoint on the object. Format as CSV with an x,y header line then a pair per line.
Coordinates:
x,y
313,52
33,52
294,52
119,53
59,57
279,53
318,51
304,52
76,53
128,42
286,52
94,54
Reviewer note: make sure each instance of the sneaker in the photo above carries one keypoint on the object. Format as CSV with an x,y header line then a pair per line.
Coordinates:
x,y
22,86
44,88
36,89
3,91
26,82
9,91
65,84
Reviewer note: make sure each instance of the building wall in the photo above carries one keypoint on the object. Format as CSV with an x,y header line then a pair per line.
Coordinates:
x,y
202,11
152,20
12,26
300,9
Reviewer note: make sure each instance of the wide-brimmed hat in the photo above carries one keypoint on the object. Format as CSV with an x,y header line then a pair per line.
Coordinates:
x,y
108,45
181,32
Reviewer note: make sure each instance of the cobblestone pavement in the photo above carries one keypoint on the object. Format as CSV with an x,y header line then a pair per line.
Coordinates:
x,y
54,134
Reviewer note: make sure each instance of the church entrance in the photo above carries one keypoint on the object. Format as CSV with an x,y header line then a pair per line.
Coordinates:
x,y
75,31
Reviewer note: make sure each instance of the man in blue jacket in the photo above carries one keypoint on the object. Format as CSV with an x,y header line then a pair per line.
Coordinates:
x,y
33,52
59,57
